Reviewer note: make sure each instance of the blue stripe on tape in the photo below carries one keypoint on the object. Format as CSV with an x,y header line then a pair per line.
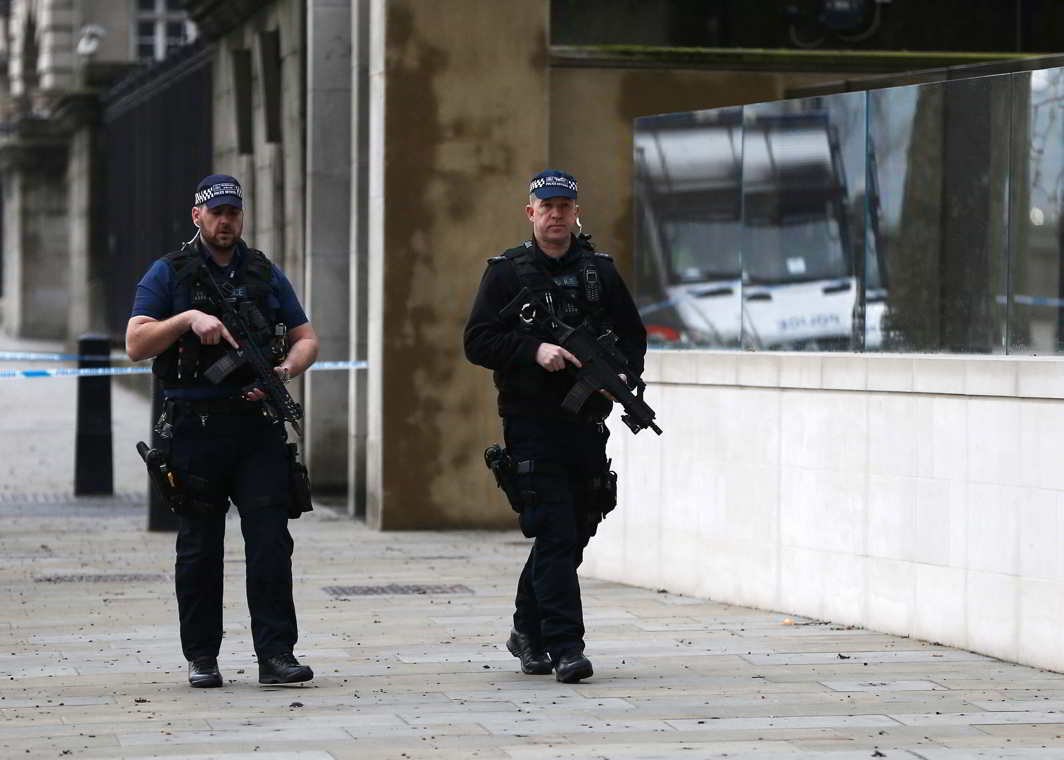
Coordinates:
x,y
98,371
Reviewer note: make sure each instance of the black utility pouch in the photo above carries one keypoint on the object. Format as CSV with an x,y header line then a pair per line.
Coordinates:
x,y
298,484
601,498
607,494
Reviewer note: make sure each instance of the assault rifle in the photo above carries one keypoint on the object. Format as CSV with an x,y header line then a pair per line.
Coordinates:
x,y
601,361
278,400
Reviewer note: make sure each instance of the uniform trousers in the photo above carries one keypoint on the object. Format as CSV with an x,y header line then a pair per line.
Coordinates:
x,y
567,453
242,458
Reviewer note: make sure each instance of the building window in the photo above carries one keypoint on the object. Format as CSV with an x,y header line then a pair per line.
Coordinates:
x,y
161,26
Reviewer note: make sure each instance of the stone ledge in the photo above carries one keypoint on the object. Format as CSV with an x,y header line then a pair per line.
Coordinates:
x,y
959,375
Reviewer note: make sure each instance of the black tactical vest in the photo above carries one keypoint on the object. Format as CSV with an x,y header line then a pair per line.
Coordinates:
x,y
576,292
183,363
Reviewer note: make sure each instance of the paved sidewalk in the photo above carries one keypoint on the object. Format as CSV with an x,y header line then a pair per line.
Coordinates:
x,y
37,426
91,668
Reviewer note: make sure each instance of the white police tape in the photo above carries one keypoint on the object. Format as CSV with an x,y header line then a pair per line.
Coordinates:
x,y
97,371
339,365
38,356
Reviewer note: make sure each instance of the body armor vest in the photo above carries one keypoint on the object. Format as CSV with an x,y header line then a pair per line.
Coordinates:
x,y
576,292
183,363
577,295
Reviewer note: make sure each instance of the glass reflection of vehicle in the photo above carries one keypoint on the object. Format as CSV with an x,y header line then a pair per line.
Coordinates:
x,y
875,306
688,227
799,288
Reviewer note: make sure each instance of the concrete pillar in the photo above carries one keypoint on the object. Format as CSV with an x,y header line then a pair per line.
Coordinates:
x,y
328,226
55,29
36,237
85,182
360,121
448,173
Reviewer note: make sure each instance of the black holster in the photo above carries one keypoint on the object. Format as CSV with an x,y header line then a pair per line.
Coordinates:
x,y
501,464
599,498
602,491
184,494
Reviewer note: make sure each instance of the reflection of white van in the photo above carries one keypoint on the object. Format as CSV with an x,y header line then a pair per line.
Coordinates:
x,y
689,227
710,187
799,288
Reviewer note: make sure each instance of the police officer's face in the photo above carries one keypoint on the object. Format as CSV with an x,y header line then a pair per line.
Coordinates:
x,y
221,226
552,219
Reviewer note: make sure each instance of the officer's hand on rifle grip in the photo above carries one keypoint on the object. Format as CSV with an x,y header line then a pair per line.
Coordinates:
x,y
607,394
284,374
210,329
553,358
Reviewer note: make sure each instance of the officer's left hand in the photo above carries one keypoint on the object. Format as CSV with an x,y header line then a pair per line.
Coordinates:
x,y
256,394
609,395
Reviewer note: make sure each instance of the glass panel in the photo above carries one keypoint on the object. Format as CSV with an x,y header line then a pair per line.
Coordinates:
x,y
938,216
146,6
146,51
175,5
1036,311
688,224
175,31
145,28
802,188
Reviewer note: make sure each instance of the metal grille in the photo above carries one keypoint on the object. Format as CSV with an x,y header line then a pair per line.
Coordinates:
x,y
396,589
157,145
101,578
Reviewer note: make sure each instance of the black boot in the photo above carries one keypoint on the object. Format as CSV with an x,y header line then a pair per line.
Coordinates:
x,y
572,667
534,661
283,668
203,673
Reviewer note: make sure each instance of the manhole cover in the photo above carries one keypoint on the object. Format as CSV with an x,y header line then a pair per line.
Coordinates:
x,y
101,578
395,589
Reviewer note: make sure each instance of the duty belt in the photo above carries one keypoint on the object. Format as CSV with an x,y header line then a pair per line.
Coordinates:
x,y
220,406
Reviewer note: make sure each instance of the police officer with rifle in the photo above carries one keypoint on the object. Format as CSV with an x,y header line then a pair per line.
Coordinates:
x,y
556,323
227,333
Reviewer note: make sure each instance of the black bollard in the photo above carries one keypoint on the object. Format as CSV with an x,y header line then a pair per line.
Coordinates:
x,y
160,518
93,457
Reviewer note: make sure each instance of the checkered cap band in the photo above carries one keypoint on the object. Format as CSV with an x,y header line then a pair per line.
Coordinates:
x,y
553,181
214,191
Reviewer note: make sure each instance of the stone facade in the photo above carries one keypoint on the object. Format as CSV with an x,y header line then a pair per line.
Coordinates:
x,y
56,58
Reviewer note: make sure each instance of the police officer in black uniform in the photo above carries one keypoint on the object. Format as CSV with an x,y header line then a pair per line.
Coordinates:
x,y
561,472
222,443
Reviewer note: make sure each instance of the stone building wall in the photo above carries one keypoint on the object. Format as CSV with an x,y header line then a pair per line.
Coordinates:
x,y
458,124
270,170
